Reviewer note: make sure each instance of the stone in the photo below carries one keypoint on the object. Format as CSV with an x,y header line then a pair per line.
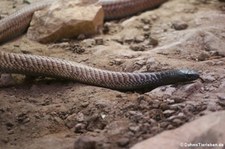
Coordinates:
x,y
79,128
203,56
137,47
6,80
221,99
206,130
139,39
221,96
85,142
66,19
168,113
134,128
71,120
123,142
146,28
179,25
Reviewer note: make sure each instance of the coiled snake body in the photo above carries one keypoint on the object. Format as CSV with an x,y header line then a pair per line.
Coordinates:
x,y
18,22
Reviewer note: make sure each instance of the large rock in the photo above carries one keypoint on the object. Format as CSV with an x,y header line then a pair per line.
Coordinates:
x,y
66,19
207,130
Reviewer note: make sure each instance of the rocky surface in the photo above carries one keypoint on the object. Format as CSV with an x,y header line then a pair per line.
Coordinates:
x,y
205,132
66,114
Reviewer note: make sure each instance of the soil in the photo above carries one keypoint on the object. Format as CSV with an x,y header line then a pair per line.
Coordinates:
x,y
179,34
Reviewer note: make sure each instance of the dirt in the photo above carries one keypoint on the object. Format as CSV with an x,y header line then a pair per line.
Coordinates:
x,y
179,34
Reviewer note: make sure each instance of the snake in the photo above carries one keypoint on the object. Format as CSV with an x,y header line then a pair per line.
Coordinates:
x,y
35,65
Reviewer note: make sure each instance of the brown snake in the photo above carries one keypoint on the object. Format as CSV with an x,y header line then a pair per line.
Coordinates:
x,y
18,23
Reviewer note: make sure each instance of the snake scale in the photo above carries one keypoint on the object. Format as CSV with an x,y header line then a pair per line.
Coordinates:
x,y
17,23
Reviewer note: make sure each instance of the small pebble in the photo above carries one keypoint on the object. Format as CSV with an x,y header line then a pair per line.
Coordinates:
x,y
168,113
134,128
177,122
154,42
170,127
221,99
88,42
221,96
9,125
99,41
80,117
139,39
128,39
85,142
27,1
179,25
164,124
81,37
84,104
203,56
146,28
79,128
123,142
164,106
137,47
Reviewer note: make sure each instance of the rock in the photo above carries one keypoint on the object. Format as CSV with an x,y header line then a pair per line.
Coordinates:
x,y
154,42
206,130
139,39
146,28
179,25
123,142
23,118
129,35
168,113
73,118
221,99
134,128
137,47
79,128
177,122
221,96
6,80
65,19
85,142
99,41
88,42
203,56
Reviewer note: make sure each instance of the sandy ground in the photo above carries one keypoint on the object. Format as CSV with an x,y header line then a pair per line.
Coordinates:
x,y
179,34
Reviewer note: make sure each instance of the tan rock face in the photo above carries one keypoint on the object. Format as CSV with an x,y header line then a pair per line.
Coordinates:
x,y
66,19
205,131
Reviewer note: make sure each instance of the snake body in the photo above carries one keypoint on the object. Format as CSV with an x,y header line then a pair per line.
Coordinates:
x,y
53,67
18,22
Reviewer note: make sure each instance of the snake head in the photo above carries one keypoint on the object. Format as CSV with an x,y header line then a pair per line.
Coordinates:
x,y
189,74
